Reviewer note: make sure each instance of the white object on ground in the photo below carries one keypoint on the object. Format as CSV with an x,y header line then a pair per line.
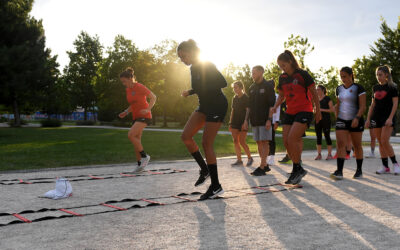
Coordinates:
x,y
63,190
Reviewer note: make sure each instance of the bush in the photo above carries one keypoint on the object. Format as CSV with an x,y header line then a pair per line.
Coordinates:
x,y
85,123
51,123
3,119
11,123
119,123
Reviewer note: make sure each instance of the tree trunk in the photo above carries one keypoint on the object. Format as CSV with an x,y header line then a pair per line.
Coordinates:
x,y
17,119
165,117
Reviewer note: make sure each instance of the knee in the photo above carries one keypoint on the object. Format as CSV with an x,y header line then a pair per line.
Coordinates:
x,y
186,138
236,141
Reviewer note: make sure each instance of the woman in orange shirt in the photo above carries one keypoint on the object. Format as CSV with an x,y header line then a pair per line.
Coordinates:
x,y
136,95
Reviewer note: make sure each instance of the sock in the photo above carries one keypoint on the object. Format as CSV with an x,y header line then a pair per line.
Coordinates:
x,y
143,154
385,162
340,163
393,158
213,175
271,157
139,163
200,160
348,152
372,150
359,164
296,167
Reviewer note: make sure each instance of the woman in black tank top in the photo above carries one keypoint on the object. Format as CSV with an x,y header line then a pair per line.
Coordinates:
x,y
324,126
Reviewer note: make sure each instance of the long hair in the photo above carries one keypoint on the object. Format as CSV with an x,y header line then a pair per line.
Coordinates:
x,y
322,88
287,56
240,85
386,69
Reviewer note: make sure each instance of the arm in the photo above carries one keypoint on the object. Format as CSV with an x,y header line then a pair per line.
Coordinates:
x,y
278,102
245,125
153,99
389,121
371,108
362,99
316,103
125,112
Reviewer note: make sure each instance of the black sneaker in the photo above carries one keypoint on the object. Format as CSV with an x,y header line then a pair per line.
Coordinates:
x,y
285,159
267,168
212,193
358,174
292,175
337,175
202,178
258,172
299,175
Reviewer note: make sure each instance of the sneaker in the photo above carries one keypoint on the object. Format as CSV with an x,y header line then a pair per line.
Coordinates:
x,y
358,174
202,178
237,163
138,168
212,193
370,155
145,161
337,175
249,162
383,170
286,160
299,175
271,161
289,181
329,157
347,157
319,157
259,172
396,169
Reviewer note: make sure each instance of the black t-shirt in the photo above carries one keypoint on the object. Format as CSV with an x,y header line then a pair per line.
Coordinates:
x,y
324,104
239,106
261,99
207,83
383,97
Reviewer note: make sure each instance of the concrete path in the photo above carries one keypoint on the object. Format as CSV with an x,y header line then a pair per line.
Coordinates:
x,y
324,214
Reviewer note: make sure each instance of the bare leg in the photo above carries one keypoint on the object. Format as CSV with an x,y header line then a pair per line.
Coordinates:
x,y
135,136
193,125
236,141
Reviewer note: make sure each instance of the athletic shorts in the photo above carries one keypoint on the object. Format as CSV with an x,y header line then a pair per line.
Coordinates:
x,y
144,120
377,122
260,133
237,126
302,117
213,116
346,125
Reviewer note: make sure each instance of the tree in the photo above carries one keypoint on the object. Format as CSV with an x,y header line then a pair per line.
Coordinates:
x,y
300,47
82,69
24,61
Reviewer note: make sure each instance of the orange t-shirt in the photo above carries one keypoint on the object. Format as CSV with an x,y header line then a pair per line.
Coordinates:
x,y
136,97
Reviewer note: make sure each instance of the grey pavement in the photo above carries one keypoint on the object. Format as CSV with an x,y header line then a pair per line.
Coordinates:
x,y
324,214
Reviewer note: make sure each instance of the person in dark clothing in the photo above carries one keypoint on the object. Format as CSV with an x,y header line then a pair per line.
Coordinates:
x,y
262,99
272,143
207,83
324,126
240,105
382,117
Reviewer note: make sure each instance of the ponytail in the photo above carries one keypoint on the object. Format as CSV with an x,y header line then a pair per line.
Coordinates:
x,y
288,57
127,73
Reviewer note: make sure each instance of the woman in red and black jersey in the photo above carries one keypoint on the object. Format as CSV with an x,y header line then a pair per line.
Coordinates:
x,y
297,87
136,95
382,116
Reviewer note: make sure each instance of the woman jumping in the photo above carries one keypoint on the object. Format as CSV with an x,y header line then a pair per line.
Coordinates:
x,y
207,83
136,95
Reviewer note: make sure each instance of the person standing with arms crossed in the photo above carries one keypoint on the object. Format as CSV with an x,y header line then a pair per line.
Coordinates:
x,y
261,99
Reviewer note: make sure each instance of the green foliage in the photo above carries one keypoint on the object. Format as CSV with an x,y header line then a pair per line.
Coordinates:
x,y
272,72
300,47
26,67
51,123
85,123
82,69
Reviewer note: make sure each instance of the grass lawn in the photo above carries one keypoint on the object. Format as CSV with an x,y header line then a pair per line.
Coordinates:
x,y
33,148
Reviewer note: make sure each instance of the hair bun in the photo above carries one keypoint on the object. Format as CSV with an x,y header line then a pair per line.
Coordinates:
x,y
129,70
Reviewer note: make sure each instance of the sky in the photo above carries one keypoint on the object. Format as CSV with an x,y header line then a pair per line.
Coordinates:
x,y
238,31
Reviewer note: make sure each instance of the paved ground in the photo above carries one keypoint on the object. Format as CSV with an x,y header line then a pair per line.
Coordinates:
x,y
324,214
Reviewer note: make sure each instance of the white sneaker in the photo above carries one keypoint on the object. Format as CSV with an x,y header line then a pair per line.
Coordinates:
x,y
383,170
396,169
271,160
370,155
145,161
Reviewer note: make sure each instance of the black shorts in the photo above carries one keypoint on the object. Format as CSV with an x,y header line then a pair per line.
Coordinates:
x,y
346,125
237,126
144,120
379,122
302,117
212,116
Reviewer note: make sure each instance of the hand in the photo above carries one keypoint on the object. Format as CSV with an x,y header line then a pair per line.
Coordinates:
x,y
388,122
272,110
268,125
367,124
230,128
245,126
276,125
185,93
318,117
145,111
354,123
123,114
